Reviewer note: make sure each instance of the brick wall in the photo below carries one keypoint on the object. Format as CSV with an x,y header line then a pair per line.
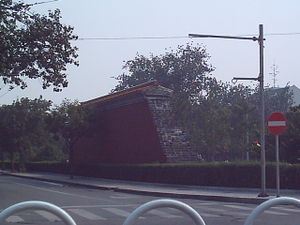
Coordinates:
x,y
137,127
172,138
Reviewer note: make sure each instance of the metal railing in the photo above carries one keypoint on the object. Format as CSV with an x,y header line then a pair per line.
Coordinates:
x,y
268,204
37,205
131,219
163,203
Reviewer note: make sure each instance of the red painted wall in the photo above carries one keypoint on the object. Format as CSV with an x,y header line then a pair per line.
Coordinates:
x,y
127,135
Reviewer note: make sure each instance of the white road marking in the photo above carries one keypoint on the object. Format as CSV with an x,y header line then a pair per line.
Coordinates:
x,y
275,213
121,196
239,207
287,209
57,192
213,209
86,214
52,183
235,213
49,216
118,212
14,219
206,203
97,206
222,211
157,212
208,215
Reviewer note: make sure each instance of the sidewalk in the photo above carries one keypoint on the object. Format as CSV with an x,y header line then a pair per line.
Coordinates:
x,y
241,195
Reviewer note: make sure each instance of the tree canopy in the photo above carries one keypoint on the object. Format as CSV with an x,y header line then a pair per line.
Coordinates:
x,y
221,119
23,127
35,130
34,46
183,70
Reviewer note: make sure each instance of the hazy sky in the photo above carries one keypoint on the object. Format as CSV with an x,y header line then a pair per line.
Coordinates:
x,y
100,60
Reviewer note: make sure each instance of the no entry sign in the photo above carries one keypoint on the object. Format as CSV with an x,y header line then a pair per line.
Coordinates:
x,y
276,123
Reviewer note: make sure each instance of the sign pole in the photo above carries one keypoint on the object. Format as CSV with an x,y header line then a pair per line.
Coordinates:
x,y
277,166
276,125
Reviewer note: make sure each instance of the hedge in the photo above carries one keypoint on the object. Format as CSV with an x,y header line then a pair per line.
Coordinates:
x,y
232,174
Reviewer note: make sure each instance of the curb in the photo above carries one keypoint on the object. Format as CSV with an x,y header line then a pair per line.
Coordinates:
x,y
197,196
61,181
149,192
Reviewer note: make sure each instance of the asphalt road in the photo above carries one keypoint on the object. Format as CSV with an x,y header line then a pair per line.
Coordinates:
x,y
98,207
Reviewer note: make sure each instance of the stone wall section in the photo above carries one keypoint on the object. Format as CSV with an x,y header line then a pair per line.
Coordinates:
x,y
173,139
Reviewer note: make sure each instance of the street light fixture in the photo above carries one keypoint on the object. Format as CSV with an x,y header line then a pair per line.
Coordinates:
x,y
260,39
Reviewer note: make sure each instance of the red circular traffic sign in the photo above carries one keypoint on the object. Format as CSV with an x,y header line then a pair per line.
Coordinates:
x,y
276,123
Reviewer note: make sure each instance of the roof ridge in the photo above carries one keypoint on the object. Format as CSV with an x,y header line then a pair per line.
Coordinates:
x,y
136,88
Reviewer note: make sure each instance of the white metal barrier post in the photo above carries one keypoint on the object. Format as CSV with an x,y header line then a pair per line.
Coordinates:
x,y
163,203
131,219
268,204
37,205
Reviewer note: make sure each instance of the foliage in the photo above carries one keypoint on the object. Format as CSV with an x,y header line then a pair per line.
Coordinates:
x,y
184,70
214,118
290,139
278,100
33,130
223,174
221,119
71,121
34,46
23,126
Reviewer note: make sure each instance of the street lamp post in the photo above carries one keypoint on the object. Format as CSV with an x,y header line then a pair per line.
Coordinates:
x,y
260,39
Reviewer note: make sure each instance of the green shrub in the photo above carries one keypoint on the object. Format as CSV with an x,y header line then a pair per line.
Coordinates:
x,y
228,174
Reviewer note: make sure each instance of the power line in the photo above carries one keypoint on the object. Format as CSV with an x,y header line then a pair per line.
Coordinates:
x,y
166,37
44,2
283,34
130,38
10,89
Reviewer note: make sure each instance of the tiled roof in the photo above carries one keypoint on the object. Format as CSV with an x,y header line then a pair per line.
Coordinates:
x,y
131,90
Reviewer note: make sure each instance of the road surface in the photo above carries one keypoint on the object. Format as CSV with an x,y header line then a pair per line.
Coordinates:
x,y
102,207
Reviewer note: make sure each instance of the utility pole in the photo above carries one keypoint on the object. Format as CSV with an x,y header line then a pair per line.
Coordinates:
x,y
262,99
260,39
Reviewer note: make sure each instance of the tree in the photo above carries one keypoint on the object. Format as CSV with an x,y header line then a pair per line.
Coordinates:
x,y
205,107
221,119
70,120
23,127
184,70
34,46
291,137
211,121
278,100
